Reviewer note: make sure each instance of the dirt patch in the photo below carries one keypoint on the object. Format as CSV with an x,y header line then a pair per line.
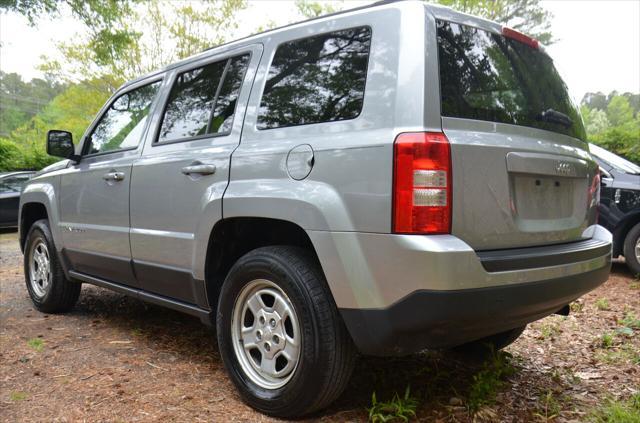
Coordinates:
x,y
115,358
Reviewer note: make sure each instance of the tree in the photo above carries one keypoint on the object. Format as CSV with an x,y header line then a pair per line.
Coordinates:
x,y
619,110
527,16
123,39
613,121
313,9
598,122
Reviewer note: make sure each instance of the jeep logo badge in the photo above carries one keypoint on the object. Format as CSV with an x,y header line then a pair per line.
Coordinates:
x,y
565,168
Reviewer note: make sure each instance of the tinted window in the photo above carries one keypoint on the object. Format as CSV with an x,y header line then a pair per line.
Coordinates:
x,y
191,101
226,102
123,123
316,79
490,77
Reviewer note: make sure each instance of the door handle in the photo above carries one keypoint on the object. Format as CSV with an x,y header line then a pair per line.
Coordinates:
x,y
113,176
199,169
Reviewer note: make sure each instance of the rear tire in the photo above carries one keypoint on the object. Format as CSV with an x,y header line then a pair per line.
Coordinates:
x,y
491,343
49,289
264,290
632,249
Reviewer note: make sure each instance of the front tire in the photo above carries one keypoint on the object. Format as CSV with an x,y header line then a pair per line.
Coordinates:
x,y
632,249
49,289
280,335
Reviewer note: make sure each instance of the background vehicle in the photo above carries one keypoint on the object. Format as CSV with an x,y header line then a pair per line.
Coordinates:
x,y
620,204
11,184
329,187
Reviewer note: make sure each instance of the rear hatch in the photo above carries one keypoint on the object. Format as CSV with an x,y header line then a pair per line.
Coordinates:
x,y
522,174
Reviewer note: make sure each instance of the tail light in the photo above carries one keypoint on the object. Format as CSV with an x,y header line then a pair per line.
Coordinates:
x,y
422,184
593,195
519,36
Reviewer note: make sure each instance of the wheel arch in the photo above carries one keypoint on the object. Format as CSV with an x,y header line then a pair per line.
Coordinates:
x,y
30,213
233,237
621,231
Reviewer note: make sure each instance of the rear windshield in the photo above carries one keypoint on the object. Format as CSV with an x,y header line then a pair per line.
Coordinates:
x,y
487,76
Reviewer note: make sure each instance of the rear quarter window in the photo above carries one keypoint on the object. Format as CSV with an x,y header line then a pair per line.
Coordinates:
x,y
316,79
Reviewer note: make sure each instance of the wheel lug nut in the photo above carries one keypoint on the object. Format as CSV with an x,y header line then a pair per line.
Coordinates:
x,y
258,335
267,347
276,339
272,322
261,319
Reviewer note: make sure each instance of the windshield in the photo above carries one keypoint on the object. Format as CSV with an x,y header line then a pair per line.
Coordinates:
x,y
614,161
487,76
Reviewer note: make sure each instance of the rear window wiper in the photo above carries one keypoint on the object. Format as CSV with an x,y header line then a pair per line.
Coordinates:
x,y
555,116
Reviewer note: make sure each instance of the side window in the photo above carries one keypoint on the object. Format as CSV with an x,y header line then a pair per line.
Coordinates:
x,y
316,79
224,110
203,100
122,124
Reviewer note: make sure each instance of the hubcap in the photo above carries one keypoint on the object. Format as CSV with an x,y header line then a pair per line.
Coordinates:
x,y
40,269
638,250
266,334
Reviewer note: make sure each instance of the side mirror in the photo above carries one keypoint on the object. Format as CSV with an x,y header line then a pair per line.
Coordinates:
x,y
60,144
122,104
606,178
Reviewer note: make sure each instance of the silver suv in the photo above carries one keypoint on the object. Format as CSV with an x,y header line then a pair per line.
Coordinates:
x,y
383,180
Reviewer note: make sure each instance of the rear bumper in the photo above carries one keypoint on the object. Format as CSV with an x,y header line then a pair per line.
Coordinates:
x,y
400,294
443,319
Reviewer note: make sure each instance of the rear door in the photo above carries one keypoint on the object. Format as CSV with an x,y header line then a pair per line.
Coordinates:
x,y
522,174
178,183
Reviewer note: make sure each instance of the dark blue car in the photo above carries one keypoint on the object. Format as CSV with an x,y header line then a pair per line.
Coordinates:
x,y
620,204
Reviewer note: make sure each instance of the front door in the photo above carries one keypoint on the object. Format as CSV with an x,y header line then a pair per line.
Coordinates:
x,y
178,183
94,200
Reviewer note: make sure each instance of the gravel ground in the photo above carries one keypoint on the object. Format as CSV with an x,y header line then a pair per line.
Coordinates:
x,y
114,358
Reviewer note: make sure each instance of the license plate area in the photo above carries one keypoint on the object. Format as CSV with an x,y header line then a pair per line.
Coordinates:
x,y
541,197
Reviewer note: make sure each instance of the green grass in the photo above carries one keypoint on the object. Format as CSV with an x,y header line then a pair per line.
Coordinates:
x,y
36,343
618,411
606,340
625,353
549,408
576,306
488,381
17,396
602,304
630,320
398,409
549,330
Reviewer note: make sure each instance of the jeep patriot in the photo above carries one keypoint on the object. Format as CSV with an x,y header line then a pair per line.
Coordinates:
x,y
383,180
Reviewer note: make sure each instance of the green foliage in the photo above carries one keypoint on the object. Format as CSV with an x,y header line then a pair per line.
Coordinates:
x,y
36,343
313,9
18,396
527,16
20,101
71,110
550,407
398,409
488,381
549,330
606,340
613,122
618,411
142,37
630,320
619,111
602,304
